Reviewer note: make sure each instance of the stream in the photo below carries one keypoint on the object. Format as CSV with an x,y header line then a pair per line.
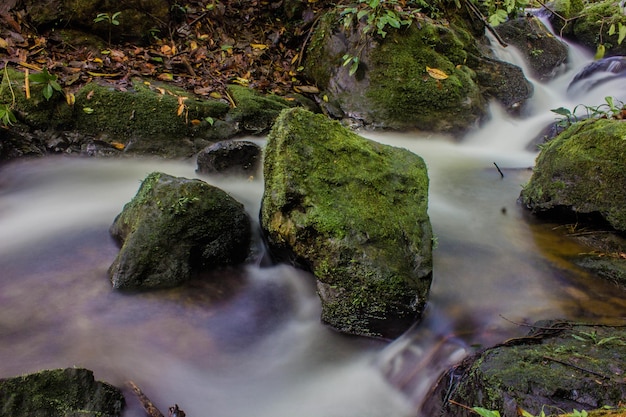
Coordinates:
x,y
259,348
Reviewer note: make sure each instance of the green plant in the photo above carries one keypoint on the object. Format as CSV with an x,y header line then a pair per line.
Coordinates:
x,y
499,11
111,19
49,81
6,115
379,15
610,109
180,206
6,110
594,339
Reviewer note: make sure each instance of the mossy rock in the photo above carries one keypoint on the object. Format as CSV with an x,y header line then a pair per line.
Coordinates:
x,y
542,51
59,393
392,87
149,118
254,112
354,212
582,171
174,227
592,24
558,368
36,111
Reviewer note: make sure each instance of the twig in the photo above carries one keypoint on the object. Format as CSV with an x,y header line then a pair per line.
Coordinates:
x,y
145,401
498,168
580,368
482,18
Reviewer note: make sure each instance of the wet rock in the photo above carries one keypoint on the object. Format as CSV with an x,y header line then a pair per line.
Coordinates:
x,y
354,212
503,82
591,25
581,171
545,54
559,366
238,157
59,393
173,227
598,72
391,87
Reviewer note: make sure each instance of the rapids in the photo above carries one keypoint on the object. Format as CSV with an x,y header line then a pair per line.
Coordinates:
x,y
259,349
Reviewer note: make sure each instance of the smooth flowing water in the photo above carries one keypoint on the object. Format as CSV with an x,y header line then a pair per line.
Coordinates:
x,y
258,348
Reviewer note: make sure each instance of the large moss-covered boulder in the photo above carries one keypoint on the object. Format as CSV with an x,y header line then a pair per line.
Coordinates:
x,y
582,171
173,227
354,212
559,367
392,87
59,393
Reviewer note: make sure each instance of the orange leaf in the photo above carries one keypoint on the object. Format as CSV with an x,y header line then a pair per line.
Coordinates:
x,y
436,73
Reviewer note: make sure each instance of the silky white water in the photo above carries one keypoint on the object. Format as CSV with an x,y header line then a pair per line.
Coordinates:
x,y
259,348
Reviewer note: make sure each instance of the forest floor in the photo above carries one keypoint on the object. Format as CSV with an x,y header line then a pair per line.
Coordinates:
x,y
206,49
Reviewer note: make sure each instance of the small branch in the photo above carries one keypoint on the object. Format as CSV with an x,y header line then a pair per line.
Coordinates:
x,y
580,368
498,168
150,408
482,18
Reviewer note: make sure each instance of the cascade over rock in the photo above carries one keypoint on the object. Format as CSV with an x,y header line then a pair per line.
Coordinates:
x,y
174,226
544,53
582,171
354,212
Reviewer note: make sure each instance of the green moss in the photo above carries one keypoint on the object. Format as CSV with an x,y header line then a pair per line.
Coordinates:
x,y
533,376
254,111
144,111
582,169
594,24
356,211
403,91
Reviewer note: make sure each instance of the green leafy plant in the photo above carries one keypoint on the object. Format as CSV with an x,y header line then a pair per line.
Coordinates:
x,y
378,15
111,19
49,81
6,115
499,11
610,109
594,339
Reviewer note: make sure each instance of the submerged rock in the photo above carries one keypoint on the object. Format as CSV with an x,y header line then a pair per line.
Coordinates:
x,y
581,171
174,226
557,368
59,393
354,212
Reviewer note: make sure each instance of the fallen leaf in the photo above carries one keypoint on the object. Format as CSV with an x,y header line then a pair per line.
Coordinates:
x,y
117,145
436,73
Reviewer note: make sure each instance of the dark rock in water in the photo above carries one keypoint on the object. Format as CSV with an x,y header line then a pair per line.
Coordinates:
x,y
227,157
544,53
599,72
558,366
353,212
59,393
175,226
